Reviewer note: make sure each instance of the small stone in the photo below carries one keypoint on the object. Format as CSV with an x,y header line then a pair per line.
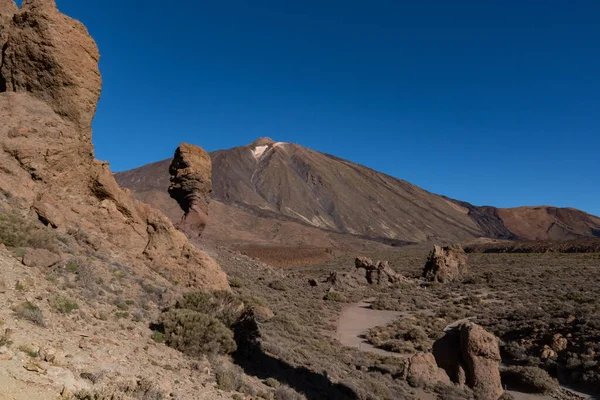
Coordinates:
x,y
35,367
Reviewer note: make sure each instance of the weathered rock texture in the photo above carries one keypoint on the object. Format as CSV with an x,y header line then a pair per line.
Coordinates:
x,y
470,355
49,87
422,370
378,273
191,186
445,264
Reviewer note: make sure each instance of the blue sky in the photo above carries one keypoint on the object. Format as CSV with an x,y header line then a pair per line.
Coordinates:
x,y
492,102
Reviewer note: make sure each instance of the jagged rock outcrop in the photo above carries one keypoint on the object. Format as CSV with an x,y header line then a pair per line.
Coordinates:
x,y
378,273
445,264
470,355
49,87
191,186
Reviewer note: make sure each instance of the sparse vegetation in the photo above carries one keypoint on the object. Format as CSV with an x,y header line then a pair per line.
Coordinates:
x,y
17,230
29,312
528,379
63,304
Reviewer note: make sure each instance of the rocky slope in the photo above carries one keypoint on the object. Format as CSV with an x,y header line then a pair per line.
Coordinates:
x,y
49,87
276,181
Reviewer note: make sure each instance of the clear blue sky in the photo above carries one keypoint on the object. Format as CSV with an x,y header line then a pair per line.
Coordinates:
x,y
491,102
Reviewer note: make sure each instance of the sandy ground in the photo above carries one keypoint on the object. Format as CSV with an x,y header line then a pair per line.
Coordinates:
x,y
356,319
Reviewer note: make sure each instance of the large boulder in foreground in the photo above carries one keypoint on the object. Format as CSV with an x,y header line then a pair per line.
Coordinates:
x,y
49,87
445,264
191,186
470,355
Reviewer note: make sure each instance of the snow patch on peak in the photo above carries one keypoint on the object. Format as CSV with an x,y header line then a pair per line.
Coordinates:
x,y
258,151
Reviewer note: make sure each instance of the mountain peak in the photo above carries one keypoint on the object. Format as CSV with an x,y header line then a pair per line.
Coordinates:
x,y
263,141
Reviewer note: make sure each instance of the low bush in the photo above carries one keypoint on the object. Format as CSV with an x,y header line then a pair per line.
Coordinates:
x,y
63,304
195,333
29,312
222,305
287,393
528,379
335,296
19,231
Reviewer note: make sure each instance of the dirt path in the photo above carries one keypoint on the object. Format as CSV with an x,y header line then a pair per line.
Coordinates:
x,y
356,319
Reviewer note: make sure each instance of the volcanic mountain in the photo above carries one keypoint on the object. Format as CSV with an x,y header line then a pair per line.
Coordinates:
x,y
267,184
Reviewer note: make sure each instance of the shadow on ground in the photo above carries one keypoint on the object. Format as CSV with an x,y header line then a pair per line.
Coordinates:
x,y
254,361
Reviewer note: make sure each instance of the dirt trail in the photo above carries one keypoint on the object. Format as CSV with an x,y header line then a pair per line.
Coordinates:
x,y
356,319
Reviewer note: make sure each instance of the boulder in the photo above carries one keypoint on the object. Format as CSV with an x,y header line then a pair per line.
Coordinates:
x,y
470,354
421,370
40,258
191,186
445,264
378,273
559,343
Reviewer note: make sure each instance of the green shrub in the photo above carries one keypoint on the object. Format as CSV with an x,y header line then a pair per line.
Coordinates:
x,y
235,283
63,304
158,337
335,296
222,305
19,231
30,312
196,333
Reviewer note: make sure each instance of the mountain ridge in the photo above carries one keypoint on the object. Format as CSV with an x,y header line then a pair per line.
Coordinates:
x,y
287,181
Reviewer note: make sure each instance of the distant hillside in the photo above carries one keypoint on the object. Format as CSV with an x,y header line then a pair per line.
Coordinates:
x,y
269,181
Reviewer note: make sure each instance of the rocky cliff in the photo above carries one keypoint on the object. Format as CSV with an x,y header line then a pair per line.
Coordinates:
x,y
49,87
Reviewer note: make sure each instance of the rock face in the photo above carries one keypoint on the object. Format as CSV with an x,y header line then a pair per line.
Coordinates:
x,y
191,186
378,273
470,355
49,87
445,264
422,369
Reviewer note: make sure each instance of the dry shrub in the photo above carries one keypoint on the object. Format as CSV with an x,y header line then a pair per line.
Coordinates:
x,y
30,312
528,379
284,392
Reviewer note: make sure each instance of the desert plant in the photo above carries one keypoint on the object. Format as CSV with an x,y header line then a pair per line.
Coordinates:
x,y
158,337
19,231
222,305
335,296
529,379
29,312
63,304
196,333
287,393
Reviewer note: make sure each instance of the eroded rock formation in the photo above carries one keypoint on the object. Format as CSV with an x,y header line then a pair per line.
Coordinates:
x,y
191,186
49,88
470,355
378,273
445,264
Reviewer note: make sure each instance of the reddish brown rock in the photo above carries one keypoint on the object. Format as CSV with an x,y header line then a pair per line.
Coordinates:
x,y
49,87
445,264
40,258
378,273
191,186
422,369
470,354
